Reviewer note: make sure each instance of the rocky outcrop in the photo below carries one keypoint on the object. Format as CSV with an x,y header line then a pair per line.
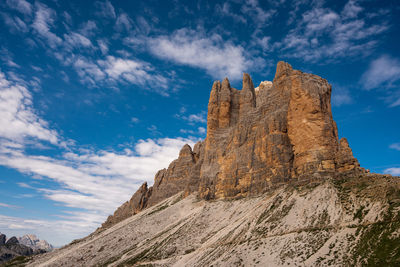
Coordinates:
x,y
131,207
35,243
12,248
257,139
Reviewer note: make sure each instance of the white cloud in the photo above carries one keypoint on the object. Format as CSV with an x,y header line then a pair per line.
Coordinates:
x,y
17,113
20,5
252,9
192,118
123,22
351,9
88,71
5,205
88,28
201,130
44,20
77,40
212,53
105,9
103,46
322,33
15,24
382,71
393,171
95,182
225,10
197,118
395,146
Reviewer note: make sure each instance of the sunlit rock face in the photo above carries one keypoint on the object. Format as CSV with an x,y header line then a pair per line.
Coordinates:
x,y
257,138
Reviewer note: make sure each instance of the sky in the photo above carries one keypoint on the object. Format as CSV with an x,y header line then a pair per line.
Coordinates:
x,y
95,97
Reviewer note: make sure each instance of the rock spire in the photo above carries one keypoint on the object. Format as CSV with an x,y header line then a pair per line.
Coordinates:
x,y
283,132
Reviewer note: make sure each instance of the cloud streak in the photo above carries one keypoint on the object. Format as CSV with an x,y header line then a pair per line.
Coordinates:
x,y
218,57
323,33
89,181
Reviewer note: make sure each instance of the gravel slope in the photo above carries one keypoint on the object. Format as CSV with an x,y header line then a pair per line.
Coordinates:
x,y
343,222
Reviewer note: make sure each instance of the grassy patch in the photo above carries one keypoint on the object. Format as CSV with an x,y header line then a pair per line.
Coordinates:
x,y
377,245
277,201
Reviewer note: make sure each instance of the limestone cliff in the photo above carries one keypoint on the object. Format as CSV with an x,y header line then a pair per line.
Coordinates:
x,y
257,139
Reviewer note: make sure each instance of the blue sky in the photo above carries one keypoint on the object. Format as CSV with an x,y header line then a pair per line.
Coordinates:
x,y
95,97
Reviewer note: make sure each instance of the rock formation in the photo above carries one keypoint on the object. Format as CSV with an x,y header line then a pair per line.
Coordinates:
x,y
35,243
22,246
12,248
257,139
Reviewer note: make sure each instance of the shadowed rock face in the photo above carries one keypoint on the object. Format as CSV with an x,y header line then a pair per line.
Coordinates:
x,y
256,140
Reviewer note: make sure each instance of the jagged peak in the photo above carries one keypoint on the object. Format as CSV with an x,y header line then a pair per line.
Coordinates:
x,y
247,83
185,151
225,83
282,68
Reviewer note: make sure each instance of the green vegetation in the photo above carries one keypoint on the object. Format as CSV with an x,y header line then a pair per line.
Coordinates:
x,y
277,201
378,244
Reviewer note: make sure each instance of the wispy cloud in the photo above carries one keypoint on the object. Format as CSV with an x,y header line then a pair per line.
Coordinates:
x,y
77,40
384,73
124,22
15,24
91,181
44,20
393,171
323,33
20,5
4,205
225,10
105,9
212,53
191,118
395,146
253,10
17,113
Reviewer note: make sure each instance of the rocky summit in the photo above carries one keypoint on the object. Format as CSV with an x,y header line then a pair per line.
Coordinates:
x,y
257,139
271,185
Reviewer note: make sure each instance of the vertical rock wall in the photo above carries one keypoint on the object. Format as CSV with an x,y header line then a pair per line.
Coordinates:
x,y
256,139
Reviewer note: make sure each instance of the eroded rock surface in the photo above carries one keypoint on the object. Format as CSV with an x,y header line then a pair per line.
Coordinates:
x,y
283,132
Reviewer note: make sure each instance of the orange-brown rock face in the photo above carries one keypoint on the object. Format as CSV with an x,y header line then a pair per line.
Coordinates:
x,y
257,139
137,203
